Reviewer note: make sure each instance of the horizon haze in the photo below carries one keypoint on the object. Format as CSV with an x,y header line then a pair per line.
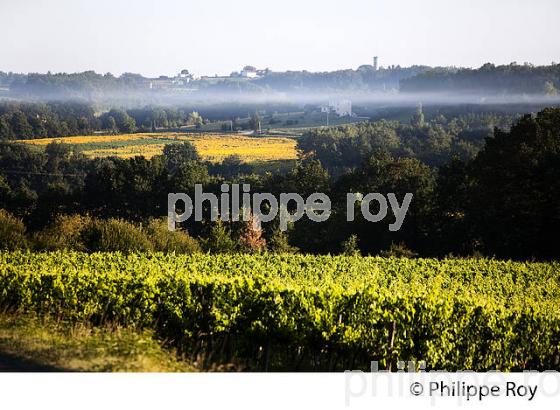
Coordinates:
x,y
217,37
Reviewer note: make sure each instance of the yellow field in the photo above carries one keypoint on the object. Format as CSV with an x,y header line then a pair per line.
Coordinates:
x,y
130,151
85,139
212,147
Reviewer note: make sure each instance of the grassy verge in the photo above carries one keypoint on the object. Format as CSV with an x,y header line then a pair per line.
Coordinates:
x,y
29,343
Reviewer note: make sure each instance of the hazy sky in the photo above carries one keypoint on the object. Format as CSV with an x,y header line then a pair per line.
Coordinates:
x,y
219,36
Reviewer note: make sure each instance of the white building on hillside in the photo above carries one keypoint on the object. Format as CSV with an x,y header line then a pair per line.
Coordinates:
x,y
342,108
249,72
183,78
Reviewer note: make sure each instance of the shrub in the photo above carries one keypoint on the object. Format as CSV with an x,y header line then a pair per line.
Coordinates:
x,y
12,232
219,240
83,233
399,250
66,232
115,235
279,243
166,241
350,246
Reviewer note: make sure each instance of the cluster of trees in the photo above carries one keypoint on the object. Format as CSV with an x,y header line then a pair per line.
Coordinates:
x,y
89,234
434,142
86,85
84,233
488,79
60,119
152,118
60,199
37,120
148,119
502,202
7,79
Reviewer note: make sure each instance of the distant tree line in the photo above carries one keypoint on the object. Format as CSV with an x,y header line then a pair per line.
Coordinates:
x,y
92,86
7,79
87,85
39,120
20,120
488,79
364,78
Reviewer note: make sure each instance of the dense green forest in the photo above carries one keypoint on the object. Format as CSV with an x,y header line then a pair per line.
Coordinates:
x,y
432,141
20,120
488,79
476,190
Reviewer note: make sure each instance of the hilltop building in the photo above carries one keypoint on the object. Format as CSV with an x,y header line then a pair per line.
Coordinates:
x,y
183,78
186,81
161,83
249,72
177,82
368,67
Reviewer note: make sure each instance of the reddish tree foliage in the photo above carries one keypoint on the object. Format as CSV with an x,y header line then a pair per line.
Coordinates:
x,y
251,238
